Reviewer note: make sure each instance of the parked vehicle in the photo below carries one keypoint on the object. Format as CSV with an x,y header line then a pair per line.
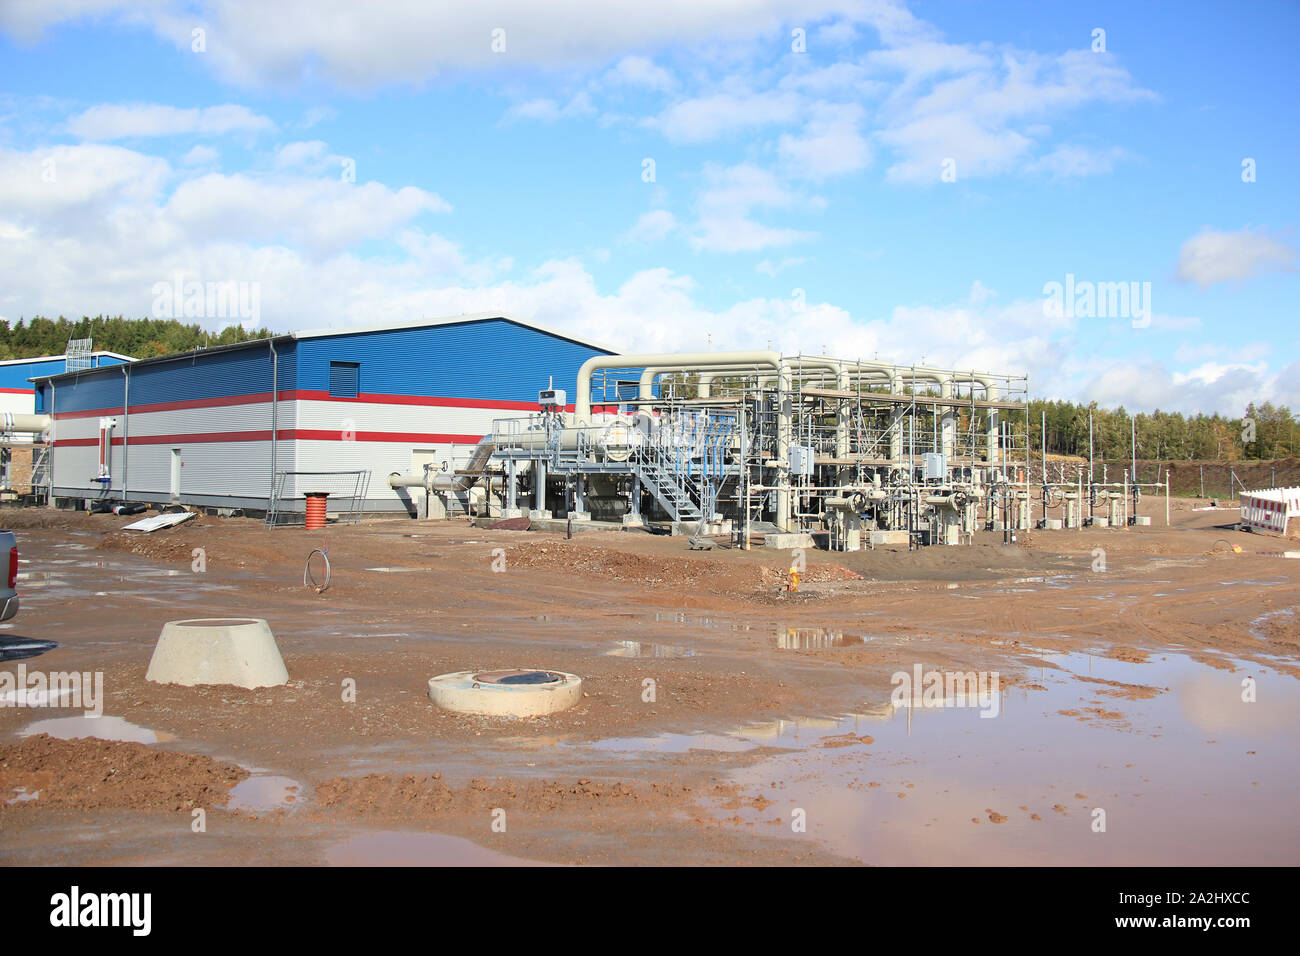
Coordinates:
x,y
9,594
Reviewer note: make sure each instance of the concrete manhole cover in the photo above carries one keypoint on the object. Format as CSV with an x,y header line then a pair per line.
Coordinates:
x,y
518,692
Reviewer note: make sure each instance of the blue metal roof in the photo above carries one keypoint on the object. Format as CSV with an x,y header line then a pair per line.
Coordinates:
x,y
483,357
17,373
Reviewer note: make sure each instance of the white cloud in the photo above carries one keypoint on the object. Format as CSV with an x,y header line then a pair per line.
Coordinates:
x,y
122,121
287,232
1208,388
1213,256
769,268
1072,162
321,215
984,111
298,237
201,156
311,156
724,207
831,144
78,180
705,118
928,144
639,71
653,226
980,293
363,45
546,110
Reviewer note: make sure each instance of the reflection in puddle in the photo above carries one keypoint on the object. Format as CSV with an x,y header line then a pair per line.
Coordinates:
x,y
647,649
692,620
36,579
103,728
1167,747
263,792
816,639
1257,626
18,648
391,848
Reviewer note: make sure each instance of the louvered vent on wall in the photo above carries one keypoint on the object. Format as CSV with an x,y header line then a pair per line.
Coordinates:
x,y
345,379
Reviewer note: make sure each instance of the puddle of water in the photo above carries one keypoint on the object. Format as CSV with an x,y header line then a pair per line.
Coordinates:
x,y
647,649
675,743
22,796
36,579
681,617
391,848
788,734
1256,626
263,792
18,648
104,728
1187,757
816,639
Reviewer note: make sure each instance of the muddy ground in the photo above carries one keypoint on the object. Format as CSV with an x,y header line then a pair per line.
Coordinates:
x,y
770,738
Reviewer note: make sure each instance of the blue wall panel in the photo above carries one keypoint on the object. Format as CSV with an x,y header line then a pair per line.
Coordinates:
x,y
494,359
88,390
243,371
16,375
491,359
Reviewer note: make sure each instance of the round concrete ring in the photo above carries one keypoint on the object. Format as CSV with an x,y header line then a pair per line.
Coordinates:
x,y
477,692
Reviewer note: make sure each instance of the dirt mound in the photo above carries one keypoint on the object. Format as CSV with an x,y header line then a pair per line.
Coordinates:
x,y
382,795
676,572
157,546
92,774
651,570
813,574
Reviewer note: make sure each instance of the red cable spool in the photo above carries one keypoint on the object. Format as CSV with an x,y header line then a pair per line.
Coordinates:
x,y
316,509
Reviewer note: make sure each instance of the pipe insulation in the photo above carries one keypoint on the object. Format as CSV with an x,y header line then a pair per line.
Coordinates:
x,y
17,422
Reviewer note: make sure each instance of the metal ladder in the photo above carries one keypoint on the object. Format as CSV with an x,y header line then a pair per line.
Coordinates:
x,y
662,481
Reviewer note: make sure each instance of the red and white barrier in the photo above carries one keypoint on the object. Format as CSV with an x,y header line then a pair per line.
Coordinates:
x,y
1270,509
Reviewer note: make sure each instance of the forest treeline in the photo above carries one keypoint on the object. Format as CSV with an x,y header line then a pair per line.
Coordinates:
x,y
138,338
1262,431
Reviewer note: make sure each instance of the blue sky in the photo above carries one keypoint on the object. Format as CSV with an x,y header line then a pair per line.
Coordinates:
x,y
907,184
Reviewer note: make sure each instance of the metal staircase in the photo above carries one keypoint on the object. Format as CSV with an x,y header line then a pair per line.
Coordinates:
x,y
665,484
685,475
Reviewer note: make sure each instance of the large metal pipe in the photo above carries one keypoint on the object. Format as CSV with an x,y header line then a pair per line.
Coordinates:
x,y
663,361
18,422
697,360
709,371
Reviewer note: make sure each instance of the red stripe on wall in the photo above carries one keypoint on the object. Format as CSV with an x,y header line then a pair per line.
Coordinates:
x,y
334,434
427,400
369,398
17,391
285,434
222,402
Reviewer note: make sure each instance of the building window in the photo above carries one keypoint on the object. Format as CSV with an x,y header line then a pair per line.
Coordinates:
x,y
345,379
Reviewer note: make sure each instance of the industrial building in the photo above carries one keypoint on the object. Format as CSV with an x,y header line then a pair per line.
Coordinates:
x,y
255,425
18,394
491,413
792,446
22,453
